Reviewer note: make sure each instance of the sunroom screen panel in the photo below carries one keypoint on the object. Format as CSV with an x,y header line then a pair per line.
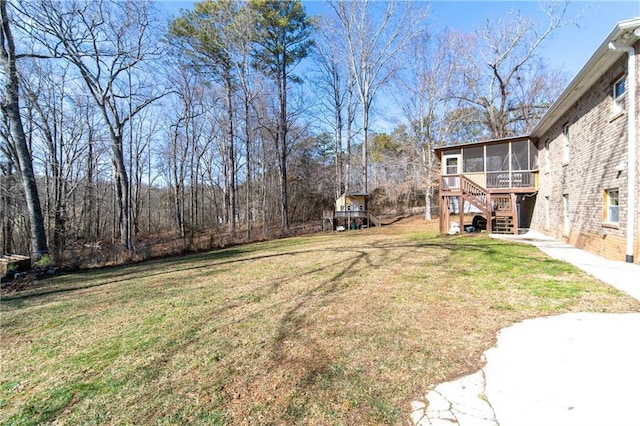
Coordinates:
x,y
519,155
498,158
473,159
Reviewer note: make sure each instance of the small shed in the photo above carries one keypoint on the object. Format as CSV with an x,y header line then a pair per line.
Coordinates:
x,y
352,202
351,212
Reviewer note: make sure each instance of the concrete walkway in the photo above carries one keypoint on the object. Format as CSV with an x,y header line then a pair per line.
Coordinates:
x,y
621,275
571,369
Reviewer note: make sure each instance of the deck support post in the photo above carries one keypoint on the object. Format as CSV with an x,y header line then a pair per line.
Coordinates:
x,y
489,214
461,212
514,210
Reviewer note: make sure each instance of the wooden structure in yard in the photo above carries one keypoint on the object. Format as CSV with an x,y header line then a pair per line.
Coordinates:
x,y
17,261
351,212
496,179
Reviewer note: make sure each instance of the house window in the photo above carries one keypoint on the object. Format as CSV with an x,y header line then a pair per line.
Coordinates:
x,y
611,206
547,213
452,165
565,213
565,144
547,157
619,92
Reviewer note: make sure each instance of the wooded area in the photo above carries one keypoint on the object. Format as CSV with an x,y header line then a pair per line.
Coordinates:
x,y
239,120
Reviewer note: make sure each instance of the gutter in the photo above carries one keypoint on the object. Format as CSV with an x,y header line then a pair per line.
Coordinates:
x,y
631,146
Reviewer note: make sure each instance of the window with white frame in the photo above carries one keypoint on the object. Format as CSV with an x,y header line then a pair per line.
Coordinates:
x,y
547,213
619,92
565,213
565,144
547,157
612,205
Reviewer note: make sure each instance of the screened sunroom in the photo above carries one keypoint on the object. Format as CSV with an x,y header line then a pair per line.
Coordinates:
x,y
502,165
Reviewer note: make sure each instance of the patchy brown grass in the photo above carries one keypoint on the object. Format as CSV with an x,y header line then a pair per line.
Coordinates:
x,y
329,329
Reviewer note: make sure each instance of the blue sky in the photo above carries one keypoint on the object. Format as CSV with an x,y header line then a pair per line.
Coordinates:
x,y
569,49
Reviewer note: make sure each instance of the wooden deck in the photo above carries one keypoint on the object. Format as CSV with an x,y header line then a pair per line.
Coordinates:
x,y
496,204
330,218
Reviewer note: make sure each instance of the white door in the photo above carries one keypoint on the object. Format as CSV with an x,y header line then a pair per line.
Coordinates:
x,y
452,164
451,169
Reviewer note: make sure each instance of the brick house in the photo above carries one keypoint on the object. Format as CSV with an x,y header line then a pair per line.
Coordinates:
x,y
581,185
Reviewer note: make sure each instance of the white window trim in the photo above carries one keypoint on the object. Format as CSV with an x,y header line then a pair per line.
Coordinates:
x,y
565,144
566,213
547,157
458,158
547,213
607,206
619,100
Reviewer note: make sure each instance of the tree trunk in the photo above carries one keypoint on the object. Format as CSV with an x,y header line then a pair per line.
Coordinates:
x,y
347,170
365,131
89,198
122,191
282,134
247,135
232,156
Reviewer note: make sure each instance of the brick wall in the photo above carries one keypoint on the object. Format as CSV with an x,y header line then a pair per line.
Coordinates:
x,y
597,145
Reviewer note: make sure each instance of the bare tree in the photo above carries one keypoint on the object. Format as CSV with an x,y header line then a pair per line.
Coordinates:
x,y
424,93
11,110
503,76
209,34
372,41
107,42
57,133
331,89
8,182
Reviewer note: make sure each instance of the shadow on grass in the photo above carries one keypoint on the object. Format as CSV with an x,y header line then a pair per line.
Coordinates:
x,y
317,367
127,273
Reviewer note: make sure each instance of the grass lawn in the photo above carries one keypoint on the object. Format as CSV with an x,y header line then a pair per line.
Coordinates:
x,y
341,328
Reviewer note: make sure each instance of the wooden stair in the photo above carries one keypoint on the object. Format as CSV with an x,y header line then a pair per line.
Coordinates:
x,y
504,225
374,220
474,194
500,208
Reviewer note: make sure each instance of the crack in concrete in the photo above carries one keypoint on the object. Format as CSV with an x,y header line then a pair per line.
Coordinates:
x,y
461,402
486,399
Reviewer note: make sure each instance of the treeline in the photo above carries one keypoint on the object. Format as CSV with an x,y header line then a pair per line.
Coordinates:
x,y
235,120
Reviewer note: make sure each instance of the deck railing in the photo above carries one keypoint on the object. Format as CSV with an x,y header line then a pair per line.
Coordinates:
x,y
450,183
501,203
494,180
474,190
513,179
351,213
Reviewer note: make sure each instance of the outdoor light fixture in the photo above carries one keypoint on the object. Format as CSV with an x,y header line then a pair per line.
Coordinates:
x,y
620,167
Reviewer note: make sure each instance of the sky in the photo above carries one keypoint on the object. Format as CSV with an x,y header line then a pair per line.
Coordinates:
x,y
568,50
570,47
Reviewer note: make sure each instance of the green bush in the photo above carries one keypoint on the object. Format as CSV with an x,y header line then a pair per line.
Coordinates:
x,y
44,261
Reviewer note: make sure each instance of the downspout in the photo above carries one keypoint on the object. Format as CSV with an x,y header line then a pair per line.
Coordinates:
x,y
631,148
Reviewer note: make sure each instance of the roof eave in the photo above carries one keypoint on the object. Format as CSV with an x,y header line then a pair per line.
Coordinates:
x,y
602,59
